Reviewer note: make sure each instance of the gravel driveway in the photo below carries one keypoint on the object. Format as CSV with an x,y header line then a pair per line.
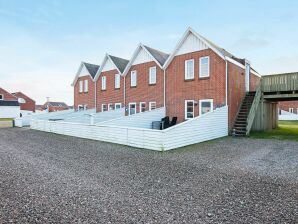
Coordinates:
x,y
48,178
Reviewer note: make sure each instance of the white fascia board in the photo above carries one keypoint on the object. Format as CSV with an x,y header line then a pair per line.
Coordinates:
x,y
235,62
255,73
181,41
78,73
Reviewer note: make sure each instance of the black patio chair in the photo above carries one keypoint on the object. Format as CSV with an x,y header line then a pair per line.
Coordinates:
x,y
165,122
173,121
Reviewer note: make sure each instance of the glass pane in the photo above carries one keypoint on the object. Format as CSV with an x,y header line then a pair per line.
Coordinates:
x,y
205,107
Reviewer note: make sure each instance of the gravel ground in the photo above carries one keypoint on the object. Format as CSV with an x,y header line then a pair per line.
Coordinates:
x,y
48,178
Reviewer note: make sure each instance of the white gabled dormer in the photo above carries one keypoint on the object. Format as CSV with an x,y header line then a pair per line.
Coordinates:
x,y
83,71
108,65
142,57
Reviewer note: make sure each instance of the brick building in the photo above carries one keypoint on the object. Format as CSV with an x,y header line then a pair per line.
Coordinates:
x,y
289,106
26,103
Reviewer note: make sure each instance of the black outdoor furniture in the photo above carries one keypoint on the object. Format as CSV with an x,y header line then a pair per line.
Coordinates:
x,y
166,122
173,121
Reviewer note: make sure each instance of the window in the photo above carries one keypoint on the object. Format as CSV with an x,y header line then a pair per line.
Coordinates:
x,y
81,86
133,78
152,75
104,107
291,110
189,69
142,107
1,97
117,81
103,83
204,67
110,106
118,106
189,109
206,106
85,86
152,105
132,108
80,107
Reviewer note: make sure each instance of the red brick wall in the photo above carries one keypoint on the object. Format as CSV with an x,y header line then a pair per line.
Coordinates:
x,y
7,95
84,98
253,82
285,105
236,90
29,105
178,89
144,92
110,95
53,109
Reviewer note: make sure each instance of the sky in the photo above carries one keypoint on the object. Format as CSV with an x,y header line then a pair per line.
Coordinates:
x,y
42,43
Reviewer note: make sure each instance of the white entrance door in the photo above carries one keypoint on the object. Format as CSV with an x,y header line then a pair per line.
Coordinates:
x,y
247,73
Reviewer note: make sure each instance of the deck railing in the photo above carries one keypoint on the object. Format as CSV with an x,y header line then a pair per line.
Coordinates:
x,y
280,83
253,109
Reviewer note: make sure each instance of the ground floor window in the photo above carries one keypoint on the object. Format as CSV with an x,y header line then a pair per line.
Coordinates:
x,y
118,106
291,110
206,106
110,106
142,107
104,107
152,105
132,108
189,109
1,97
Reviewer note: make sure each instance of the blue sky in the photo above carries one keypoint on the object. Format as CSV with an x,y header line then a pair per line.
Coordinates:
x,y
43,42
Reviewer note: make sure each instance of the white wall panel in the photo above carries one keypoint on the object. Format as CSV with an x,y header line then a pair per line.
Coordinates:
x,y
108,66
142,57
84,71
191,44
9,111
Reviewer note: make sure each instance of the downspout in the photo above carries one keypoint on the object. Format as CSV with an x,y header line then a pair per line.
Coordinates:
x,y
95,92
164,90
226,82
124,95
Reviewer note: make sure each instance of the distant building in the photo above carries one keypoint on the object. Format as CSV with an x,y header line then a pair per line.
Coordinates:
x,y
26,103
289,106
9,105
55,106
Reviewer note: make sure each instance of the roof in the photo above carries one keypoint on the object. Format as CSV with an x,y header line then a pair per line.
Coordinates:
x,y
56,104
92,68
160,56
20,94
285,73
120,63
9,103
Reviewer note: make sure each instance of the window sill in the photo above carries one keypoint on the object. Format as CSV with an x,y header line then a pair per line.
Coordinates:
x,y
189,80
103,90
116,88
152,84
202,78
133,87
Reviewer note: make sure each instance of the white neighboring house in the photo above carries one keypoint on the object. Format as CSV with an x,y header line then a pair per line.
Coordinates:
x,y
9,108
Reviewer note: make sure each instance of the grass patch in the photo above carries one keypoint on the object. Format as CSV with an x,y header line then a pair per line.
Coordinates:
x,y
6,119
287,130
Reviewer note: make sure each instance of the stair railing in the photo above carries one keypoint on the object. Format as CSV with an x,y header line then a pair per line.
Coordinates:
x,y
253,109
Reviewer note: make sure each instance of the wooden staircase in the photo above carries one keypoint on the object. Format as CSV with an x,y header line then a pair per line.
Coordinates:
x,y
240,126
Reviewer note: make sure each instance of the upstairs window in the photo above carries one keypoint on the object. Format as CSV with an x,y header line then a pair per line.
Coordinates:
x,y
133,78
189,69
85,86
103,83
189,109
81,86
152,75
152,105
206,106
204,67
117,81
142,107
1,97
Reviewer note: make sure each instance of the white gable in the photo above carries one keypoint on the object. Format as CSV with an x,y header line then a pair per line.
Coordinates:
x,y
191,44
83,71
108,66
142,57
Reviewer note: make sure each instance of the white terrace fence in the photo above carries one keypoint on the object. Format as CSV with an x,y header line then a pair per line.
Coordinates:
x,y
206,127
287,116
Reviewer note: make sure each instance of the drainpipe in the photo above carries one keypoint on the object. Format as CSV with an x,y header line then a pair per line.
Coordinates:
x,y
124,94
226,82
95,92
164,90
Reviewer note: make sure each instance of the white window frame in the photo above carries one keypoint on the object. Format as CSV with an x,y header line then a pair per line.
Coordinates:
x,y
202,101
85,85
133,84
2,96
110,105
129,108
186,70
117,81
140,109
103,83
291,110
102,107
152,80
200,70
118,104
81,86
185,109
150,105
